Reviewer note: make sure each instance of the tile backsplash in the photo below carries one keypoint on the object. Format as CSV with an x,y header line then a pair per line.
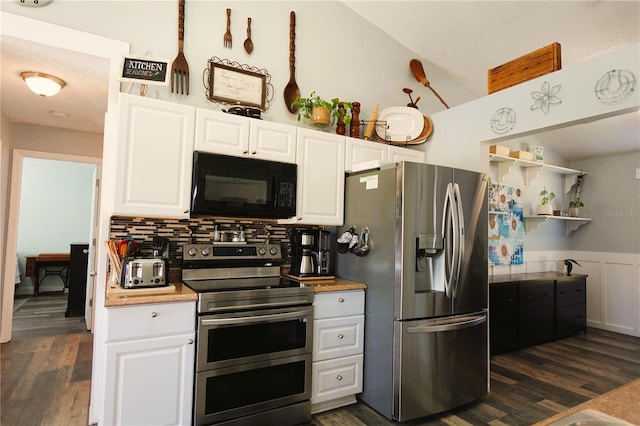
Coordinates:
x,y
196,230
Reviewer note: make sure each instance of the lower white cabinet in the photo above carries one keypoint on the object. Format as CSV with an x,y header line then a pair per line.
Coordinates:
x,y
338,340
149,364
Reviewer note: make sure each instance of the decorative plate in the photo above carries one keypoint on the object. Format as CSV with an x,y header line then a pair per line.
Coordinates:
x,y
403,124
420,139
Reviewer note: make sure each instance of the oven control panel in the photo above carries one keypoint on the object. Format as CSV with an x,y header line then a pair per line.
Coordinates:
x,y
194,252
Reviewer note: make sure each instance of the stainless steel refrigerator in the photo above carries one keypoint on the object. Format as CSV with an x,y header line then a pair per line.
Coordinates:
x,y
426,338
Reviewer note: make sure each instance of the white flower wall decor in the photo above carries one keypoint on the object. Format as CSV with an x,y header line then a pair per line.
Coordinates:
x,y
546,97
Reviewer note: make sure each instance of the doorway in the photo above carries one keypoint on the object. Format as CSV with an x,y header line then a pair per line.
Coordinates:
x,y
54,217
50,164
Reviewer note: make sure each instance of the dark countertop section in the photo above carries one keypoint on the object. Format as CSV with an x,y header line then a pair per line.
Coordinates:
x,y
533,276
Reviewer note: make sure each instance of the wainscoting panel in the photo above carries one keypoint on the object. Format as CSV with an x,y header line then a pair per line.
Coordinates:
x,y
619,296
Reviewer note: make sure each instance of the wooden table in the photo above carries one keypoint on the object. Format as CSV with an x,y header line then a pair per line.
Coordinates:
x,y
47,262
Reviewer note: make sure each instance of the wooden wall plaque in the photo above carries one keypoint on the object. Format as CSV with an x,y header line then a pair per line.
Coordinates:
x,y
534,64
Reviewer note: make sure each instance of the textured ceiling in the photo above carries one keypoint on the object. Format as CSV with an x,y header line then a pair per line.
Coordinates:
x,y
462,38
83,100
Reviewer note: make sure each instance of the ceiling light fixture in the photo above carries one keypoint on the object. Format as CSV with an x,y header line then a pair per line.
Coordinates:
x,y
42,84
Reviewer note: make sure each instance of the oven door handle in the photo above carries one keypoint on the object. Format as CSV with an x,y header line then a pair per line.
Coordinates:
x,y
255,318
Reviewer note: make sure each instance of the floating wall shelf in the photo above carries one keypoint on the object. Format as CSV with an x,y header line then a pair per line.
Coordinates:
x,y
532,168
570,223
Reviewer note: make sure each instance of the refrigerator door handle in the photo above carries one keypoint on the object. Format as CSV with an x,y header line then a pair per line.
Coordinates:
x,y
459,229
449,224
452,324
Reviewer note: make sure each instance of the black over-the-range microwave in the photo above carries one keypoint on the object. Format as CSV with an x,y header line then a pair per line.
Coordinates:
x,y
230,186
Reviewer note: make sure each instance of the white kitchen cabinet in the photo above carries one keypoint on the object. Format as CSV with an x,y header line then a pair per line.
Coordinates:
x,y
149,364
154,155
338,341
398,153
320,189
228,134
362,154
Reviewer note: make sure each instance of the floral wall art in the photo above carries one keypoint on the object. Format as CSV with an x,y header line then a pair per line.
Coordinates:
x,y
506,226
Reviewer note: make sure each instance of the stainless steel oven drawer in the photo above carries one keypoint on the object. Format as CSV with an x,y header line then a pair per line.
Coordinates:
x,y
237,338
228,393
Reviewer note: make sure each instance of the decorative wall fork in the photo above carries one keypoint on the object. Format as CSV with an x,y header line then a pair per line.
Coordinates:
x,y
227,35
179,67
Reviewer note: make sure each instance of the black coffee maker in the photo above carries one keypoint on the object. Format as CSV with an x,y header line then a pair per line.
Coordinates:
x,y
312,253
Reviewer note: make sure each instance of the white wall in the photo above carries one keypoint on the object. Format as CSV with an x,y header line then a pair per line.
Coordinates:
x,y
458,132
60,141
612,199
55,209
337,53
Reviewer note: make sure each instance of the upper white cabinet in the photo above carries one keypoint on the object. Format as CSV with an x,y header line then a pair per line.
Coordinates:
x,y
361,154
398,153
229,134
320,189
154,155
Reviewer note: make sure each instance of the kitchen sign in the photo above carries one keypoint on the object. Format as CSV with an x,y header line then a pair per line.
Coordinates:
x,y
145,70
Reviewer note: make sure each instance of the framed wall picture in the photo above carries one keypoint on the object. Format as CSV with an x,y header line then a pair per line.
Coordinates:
x,y
145,70
233,85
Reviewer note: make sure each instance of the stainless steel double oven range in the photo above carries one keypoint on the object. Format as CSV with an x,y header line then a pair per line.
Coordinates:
x,y
254,336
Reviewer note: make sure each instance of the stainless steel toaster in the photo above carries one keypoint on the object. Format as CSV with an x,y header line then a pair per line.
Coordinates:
x,y
145,272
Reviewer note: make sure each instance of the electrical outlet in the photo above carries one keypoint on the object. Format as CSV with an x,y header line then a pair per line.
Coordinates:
x,y
637,173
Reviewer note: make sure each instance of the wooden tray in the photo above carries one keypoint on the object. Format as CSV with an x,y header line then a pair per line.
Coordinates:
x,y
527,67
119,291
307,279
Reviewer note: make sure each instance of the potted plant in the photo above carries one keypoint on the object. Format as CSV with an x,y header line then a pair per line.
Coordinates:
x,y
573,207
545,207
319,110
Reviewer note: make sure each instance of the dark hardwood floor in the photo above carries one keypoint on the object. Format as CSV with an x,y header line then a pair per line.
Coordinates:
x,y
532,384
45,369
46,381
43,315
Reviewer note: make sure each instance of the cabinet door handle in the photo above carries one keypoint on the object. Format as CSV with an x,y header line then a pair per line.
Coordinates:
x,y
154,314
85,251
338,377
254,152
341,300
190,342
245,152
185,211
340,336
